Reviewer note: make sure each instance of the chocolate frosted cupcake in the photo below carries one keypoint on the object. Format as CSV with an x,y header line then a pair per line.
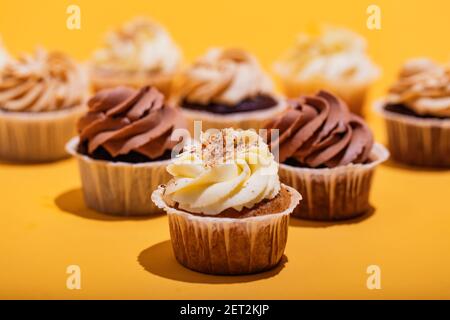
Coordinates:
x,y
41,99
327,154
227,88
124,145
417,114
333,59
228,212
139,53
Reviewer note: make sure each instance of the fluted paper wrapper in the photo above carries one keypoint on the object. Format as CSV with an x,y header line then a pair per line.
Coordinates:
x,y
37,137
353,94
228,245
119,188
162,82
241,120
336,193
417,141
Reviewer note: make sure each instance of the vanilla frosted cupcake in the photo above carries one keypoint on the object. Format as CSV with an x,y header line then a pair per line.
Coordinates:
x,y
41,99
328,154
4,56
139,53
228,212
417,114
227,88
124,145
335,59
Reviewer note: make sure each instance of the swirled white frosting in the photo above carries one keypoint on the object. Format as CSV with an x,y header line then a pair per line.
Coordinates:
x,y
4,56
228,169
44,81
139,45
334,54
225,76
424,87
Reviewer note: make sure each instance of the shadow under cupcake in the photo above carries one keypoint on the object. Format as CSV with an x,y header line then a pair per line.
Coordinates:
x,y
328,154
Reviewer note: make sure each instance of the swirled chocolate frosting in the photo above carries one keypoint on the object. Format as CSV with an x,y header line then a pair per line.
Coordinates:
x,y
319,131
128,125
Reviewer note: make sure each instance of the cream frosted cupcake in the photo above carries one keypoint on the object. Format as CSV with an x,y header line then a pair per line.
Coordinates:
x,y
417,114
124,145
4,56
328,154
228,212
227,88
139,53
41,99
335,59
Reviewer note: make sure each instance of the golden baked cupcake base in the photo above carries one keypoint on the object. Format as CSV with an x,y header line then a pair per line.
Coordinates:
x,y
416,141
39,136
119,188
333,193
228,246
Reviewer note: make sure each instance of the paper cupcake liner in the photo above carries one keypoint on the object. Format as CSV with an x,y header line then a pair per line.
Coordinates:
x,y
336,193
228,245
242,120
39,136
162,82
353,94
119,188
416,141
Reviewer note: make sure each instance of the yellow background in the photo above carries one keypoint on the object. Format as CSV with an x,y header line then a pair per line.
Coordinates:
x,y
44,225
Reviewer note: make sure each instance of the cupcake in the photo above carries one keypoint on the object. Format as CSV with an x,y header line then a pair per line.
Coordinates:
x,y
328,154
335,59
227,88
139,53
124,145
228,212
41,99
4,56
417,114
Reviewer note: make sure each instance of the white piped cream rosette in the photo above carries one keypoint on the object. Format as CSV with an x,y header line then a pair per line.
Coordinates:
x,y
4,56
208,180
333,59
42,97
226,76
141,52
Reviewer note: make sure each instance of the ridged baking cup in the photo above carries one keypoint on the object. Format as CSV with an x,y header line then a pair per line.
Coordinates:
x,y
228,245
336,193
162,82
417,141
119,188
39,136
353,94
240,120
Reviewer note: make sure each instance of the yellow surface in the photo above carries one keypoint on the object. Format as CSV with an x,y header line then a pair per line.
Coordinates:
x,y
45,226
